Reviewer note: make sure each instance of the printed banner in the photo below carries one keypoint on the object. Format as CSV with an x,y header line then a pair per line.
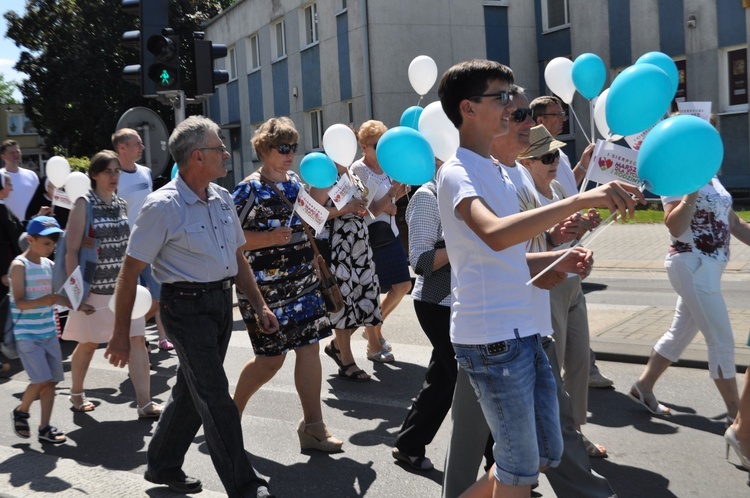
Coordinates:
x,y
60,198
700,109
635,141
613,162
310,211
73,287
342,192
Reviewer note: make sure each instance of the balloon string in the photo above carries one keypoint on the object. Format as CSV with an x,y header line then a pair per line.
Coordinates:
x,y
579,124
591,115
416,118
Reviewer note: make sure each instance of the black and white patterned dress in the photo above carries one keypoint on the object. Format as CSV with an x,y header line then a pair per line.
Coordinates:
x,y
354,268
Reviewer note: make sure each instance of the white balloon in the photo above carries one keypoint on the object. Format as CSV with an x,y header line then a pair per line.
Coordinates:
x,y
559,77
600,117
422,74
77,185
141,305
340,144
58,169
439,131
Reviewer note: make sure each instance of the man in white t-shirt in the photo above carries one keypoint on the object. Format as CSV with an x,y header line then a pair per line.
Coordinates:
x,y
548,111
493,331
135,184
25,181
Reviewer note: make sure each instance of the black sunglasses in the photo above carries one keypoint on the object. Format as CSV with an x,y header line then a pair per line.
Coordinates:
x,y
519,116
285,149
548,158
505,96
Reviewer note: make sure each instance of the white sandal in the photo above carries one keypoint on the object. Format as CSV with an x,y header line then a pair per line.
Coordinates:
x,y
154,412
648,400
84,406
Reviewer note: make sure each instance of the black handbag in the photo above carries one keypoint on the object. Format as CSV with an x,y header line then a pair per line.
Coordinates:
x,y
381,234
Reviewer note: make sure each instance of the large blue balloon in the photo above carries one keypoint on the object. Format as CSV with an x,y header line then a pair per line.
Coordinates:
x,y
410,117
665,63
679,156
318,170
589,75
638,98
406,156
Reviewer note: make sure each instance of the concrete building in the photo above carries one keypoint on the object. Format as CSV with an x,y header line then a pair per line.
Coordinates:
x,y
345,61
14,125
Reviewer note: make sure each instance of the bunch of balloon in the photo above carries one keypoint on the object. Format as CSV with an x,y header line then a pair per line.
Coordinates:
x,y
75,184
559,78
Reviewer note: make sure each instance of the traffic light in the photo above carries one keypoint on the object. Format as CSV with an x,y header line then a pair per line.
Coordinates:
x,y
206,77
159,67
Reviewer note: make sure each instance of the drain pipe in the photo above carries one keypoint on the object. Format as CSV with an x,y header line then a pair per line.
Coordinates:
x,y
366,61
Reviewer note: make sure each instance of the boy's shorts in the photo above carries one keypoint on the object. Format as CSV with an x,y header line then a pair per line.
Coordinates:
x,y
517,392
148,281
42,359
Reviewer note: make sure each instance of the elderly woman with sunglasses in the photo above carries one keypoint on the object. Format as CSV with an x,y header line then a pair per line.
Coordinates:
x,y
567,302
281,256
391,265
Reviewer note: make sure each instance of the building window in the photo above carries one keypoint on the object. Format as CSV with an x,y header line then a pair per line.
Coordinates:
x,y
310,29
253,56
315,129
232,63
733,80
350,109
554,14
278,40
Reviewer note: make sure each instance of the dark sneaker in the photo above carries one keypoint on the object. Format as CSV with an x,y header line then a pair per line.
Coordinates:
x,y
185,485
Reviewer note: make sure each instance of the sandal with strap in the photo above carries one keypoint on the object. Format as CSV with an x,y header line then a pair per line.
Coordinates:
x,y
358,375
648,400
333,352
416,462
146,412
165,345
594,450
382,357
84,406
21,424
52,434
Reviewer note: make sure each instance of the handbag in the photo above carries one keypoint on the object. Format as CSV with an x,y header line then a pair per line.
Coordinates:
x,y
87,257
380,233
329,286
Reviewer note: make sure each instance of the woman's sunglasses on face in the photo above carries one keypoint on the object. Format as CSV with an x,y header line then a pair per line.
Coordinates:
x,y
285,149
520,115
548,158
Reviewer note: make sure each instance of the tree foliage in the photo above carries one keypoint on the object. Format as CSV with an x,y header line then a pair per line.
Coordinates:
x,y
71,52
6,91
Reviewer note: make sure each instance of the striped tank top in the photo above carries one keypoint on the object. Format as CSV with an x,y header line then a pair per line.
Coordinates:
x,y
35,323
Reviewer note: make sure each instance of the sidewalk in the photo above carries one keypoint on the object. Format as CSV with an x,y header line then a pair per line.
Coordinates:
x,y
628,333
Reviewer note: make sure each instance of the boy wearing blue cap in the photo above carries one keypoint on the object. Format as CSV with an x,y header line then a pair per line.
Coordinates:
x,y
31,300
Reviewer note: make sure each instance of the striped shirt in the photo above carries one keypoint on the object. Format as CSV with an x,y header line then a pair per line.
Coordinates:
x,y
35,323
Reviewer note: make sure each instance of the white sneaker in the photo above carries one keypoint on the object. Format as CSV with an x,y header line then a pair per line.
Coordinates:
x,y
600,381
9,353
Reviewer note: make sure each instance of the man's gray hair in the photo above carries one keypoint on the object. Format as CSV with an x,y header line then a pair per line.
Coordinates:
x,y
188,136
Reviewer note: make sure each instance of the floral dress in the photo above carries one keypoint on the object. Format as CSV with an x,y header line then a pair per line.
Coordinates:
x,y
354,268
284,273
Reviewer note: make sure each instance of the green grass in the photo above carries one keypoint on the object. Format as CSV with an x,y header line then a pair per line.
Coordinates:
x,y
653,214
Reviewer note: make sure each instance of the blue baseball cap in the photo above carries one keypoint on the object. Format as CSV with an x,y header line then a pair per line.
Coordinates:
x,y
43,225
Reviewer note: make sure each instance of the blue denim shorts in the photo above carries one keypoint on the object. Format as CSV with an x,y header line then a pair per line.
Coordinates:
x,y
42,359
516,389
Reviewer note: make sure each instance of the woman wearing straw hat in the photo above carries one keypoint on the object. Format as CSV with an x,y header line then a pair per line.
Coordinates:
x,y
567,302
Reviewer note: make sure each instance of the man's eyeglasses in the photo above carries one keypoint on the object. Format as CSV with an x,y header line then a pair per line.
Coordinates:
x,y
504,96
563,115
548,158
285,149
520,115
221,148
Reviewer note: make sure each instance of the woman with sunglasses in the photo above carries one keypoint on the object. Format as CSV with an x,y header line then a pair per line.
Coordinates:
x,y
567,302
281,256
390,259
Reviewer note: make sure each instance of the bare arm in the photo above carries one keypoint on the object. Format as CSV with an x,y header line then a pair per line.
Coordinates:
x,y
118,348
394,193
739,228
74,234
579,171
678,214
500,233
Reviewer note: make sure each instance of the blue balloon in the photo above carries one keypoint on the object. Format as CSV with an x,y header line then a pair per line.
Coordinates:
x,y
666,64
318,170
679,156
589,75
406,156
174,172
638,98
410,117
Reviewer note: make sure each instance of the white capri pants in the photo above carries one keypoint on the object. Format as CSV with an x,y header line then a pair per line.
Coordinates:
x,y
700,306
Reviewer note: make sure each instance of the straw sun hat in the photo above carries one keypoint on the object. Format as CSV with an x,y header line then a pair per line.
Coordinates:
x,y
541,143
